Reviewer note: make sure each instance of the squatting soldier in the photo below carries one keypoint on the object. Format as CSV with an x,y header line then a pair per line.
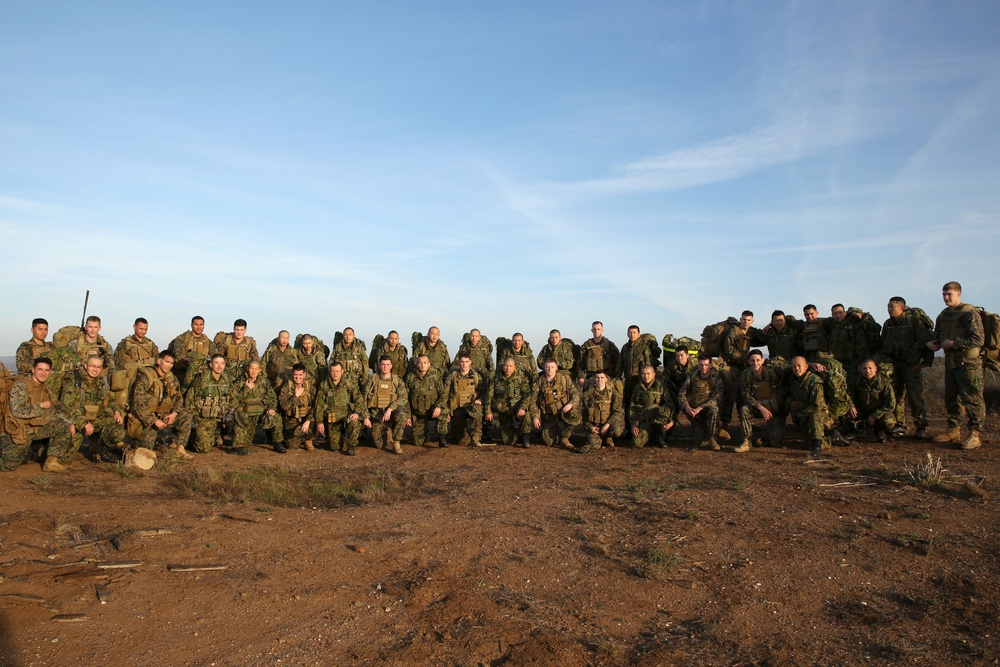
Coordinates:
x,y
87,399
836,392
254,402
640,350
155,404
312,355
959,332
783,338
904,341
651,410
509,403
434,348
208,400
557,405
427,400
296,400
387,403
236,347
279,357
561,350
136,351
466,389
735,354
520,351
874,403
34,347
339,408
191,350
91,343
34,414
678,368
389,347
761,396
480,350
806,405
699,399
603,414
352,355
598,354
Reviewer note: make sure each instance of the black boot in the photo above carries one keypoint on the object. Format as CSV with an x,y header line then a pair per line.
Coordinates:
x,y
817,448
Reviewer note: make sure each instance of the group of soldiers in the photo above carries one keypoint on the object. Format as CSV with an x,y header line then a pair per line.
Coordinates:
x,y
833,377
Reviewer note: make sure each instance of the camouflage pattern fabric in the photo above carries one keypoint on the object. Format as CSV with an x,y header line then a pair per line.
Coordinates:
x,y
426,391
25,421
506,397
88,401
335,403
806,406
466,416
600,407
28,351
604,353
556,429
963,376
874,398
772,382
253,404
208,401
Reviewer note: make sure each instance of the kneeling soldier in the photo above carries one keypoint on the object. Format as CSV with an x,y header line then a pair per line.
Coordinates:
x,y
760,396
807,405
385,397
603,414
651,410
874,402
87,398
466,390
33,414
509,401
338,409
296,402
208,398
155,404
557,401
699,399
427,396
254,402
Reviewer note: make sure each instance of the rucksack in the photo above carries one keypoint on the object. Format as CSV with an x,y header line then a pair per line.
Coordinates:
x,y
6,382
484,339
872,329
713,335
671,343
318,344
991,339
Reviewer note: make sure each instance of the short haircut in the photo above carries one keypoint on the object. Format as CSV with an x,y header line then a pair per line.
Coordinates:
x,y
756,353
809,306
39,320
240,323
93,318
516,334
550,360
140,320
284,331
94,357
835,306
746,313
346,329
555,331
392,332
898,299
334,363
385,357
196,318
596,322
299,367
633,326
475,331
777,313
41,360
682,348
952,285
463,355
217,356
423,356
166,353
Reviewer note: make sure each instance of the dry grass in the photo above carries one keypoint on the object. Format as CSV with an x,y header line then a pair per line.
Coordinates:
x,y
931,474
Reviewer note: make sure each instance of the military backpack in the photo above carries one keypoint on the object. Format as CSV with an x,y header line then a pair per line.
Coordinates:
x,y
713,335
991,339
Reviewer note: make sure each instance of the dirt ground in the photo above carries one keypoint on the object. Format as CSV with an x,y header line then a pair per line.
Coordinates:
x,y
503,556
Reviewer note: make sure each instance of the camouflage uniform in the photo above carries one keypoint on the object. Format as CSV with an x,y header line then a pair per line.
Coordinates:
x,y
705,393
466,417
506,397
806,405
785,344
382,395
191,353
425,394
814,337
524,360
765,391
296,410
437,353
28,351
25,421
836,391
550,398
237,354
596,357
154,397
84,349
88,401
634,356
400,358
963,374
250,407
874,398
354,359
481,355
735,353
600,407
651,408
314,361
277,363
848,343
132,354
563,353
335,403
674,376
904,342
208,399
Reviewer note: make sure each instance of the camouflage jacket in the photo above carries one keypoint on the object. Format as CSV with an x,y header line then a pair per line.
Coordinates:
x,y
552,395
675,374
393,391
963,325
699,392
154,397
770,385
84,349
507,395
131,352
276,361
602,407
835,389
786,344
905,338
237,354
562,353
737,343
260,396
86,399
634,356
594,357
208,397
873,398
848,341
336,402
438,354
651,402
190,349
299,407
805,396
354,358
454,389
425,393
400,358
481,355
27,352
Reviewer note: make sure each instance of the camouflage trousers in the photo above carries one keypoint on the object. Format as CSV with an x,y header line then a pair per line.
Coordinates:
x,y
908,382
467,419
963,391
206,432
812,424
595,440
730,375
772,429
883,423
147,434
342,434
386,433
57,432
422,425
106,430
295,434
512,428
554,430
243,435
706,423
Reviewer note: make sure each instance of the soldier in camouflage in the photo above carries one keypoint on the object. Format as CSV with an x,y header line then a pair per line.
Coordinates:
x,y
279,357
761,396
87,399
236,347
254,402
813,332
651,410
312,355
836,392
806,405
339,411
156,404
480,351
387,403
191,349
847,340
735,354
33,414
208,400
678,368
959,332
699,400
783,338
296,401
389,347
597,355
509,403
557,405
136,351
904,342
520,351
640,351
427,400
350,351
561,350
34,347
466,389
874,403
603,413
434,348
91,343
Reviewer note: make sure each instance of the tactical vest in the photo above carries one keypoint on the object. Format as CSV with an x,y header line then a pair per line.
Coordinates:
x,y
165,392
139,353
766,394
253,406
337,403
86,349
237,351
40,350
301,410
600,406
814,337
651,396
19,429
701,389
383,394
465,391
554,396
200,346
951,328
897,338
277,361
91,399
593,358
215,404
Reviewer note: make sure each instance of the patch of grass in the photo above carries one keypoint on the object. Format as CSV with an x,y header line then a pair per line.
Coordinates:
x,y
640,488
275,485
931,474
851,532
691,515
922,545
41,481
742,484
659,562
810,483
576,518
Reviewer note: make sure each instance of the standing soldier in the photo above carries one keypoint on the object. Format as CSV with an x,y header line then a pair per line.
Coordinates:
x,y
136,351
254,402
509,404
641,350
427,400
34,414
480,350
466,389
386,400
904,341
87,399
735,354
236,347
806,405
312,355
814,332
155,404
597,355
561,350
296,401
91,343
959,332
761,396
519,350
191,349
34,347
783,338
699,399
848,339
208,400
434,348
389,347
874,403
651,410
352,355
279,357
557,405
339,407
603,414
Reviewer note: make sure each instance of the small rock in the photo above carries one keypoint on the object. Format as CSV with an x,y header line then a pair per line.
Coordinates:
x,y
360,549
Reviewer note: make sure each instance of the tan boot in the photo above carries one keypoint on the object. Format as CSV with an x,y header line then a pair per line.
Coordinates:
x,y
52,465
972,442
308,445
566,443
954,435
396,449
181,452
744,447
713,444
721,433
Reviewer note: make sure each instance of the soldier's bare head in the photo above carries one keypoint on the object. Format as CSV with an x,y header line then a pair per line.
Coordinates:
x,y
799,366
896,306
868,368
555,337
810,313
433,335
298,374
550,367
633,333
283,338
164,362
94,365
509,367
92,327
41,368
475,336
217,364
39,329
952,294
464,361
423,364
838,312
682,354
239,329
597,329
198,325
140,327
385,365
647,374
336,371
601,380
348,336
746,319
253,370
393,339
517,340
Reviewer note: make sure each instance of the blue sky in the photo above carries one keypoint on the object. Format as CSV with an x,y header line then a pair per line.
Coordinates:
x,y
514,166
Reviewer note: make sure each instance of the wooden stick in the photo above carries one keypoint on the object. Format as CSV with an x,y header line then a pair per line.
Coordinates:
x,y
195,568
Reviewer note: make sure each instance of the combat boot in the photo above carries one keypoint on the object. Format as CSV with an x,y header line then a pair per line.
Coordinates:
x,y
181,452
837,438
880,436
898,430
526,443
280,448
396,449
242,451
721,433
352,450
564,441
308,445
817,448
972,442
921,433
713,444
609,441
953,435
744,446
52,465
